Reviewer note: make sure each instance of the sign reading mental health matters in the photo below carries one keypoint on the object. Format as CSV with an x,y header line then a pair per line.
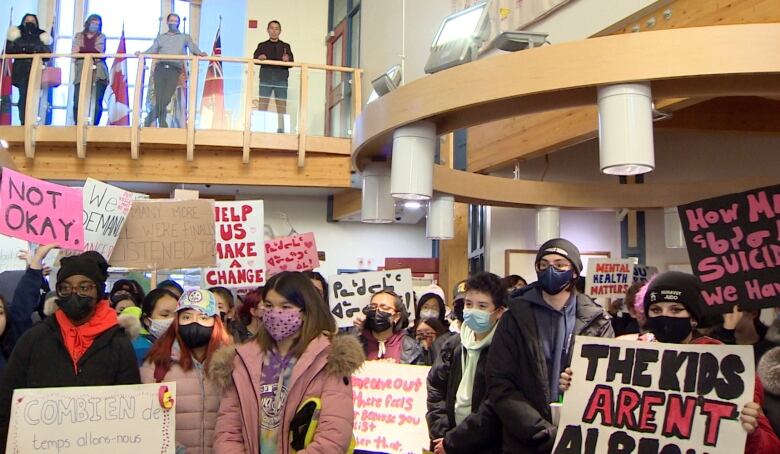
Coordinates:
x,y
240,255
41,212
609,278
167,234
350,293
291,253
390,407
734,246
100,419
629,396
106,208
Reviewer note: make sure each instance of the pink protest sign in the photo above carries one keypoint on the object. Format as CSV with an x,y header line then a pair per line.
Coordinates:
x,y
41,212
291,253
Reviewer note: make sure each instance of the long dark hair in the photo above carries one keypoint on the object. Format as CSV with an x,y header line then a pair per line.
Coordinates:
x,y
89,19
150,301
439,303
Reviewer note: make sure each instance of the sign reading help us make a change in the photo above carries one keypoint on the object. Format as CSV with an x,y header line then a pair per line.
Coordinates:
x,y
653,397
291,253
41,212
93,419
240,256
609,278
350,293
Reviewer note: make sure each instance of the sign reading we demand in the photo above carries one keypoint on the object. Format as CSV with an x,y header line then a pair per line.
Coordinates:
x,y
650,397
734,245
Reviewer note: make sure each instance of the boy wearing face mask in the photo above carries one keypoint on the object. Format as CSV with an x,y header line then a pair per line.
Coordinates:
x,y
384,331
532,346
460,418
27,38
183,354
80,345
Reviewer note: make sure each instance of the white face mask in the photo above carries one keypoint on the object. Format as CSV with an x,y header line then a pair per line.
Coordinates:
x,y
429,313
158,327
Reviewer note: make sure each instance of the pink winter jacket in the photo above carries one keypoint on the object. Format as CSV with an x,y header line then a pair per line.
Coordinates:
x,y
324,371
197,402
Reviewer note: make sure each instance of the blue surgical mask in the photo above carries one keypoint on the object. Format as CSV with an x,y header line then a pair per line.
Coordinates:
x,y
477,320
93,28
173,28
553,281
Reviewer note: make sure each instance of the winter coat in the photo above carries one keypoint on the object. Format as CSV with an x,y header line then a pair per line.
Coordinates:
x,y
518,382
197,403
769,373
20,42
99,65
323,371
480,431
40,360
19,311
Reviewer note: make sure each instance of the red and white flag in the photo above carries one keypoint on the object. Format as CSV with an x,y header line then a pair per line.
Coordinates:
x,y
118,98
212,106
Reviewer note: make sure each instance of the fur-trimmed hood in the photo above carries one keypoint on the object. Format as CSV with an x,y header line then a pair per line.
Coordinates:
x,y
769,371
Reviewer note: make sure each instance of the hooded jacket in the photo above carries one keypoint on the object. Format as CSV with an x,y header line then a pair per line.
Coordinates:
x,y
323,371
769,373
517,374
22,42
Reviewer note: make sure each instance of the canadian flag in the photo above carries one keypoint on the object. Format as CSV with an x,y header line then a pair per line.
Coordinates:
x,y
212,106
118,104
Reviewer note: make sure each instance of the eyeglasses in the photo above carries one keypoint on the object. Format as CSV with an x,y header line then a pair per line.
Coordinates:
x,y
558,266
65,290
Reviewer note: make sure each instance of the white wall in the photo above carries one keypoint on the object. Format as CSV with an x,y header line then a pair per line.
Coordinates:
x,y
657,253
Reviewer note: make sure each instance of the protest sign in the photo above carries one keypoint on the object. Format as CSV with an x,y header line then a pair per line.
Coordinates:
x,y
643,273
106,208
92,419
609,278
41,212
240,256
9,253
734,245
629,396
167,234
390,407
291,253
350,293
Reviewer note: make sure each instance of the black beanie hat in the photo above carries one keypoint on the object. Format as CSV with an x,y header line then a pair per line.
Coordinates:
x,y
675,287
90,264
562,247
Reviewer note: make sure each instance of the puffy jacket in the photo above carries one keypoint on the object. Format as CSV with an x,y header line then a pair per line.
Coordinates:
x,y
518,383
323,371
769,373
480,431
26,299
21,42
197,403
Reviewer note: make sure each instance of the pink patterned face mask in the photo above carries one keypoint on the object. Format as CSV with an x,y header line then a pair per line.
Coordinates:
x,y
282,323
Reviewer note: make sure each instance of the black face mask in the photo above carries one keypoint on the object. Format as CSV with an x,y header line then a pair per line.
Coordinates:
x,y
378,321
672,330
77,307
30,27
195,335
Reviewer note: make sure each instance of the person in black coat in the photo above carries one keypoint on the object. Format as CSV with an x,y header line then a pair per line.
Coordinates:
x,y
27,38
460,417
80,345
273,79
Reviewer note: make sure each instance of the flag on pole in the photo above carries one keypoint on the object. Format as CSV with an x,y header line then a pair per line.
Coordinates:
x,y
212,107
118,98
5,84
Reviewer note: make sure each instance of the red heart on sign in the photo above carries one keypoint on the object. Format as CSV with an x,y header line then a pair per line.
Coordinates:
x,y
308,244
283,267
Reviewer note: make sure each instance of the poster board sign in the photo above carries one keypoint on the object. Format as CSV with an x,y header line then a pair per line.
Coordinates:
x,y
92,419
643,273
291,253
734,246
106,208
390,407
609,278
41,212
239,245
350,293
653,397
167,234
9,253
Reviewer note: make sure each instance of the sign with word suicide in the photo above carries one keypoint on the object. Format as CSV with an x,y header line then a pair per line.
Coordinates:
x,y
350,293
240,255
734,245
9,253
41,212
653,397
106,208
609,278
291,253
390,407
100,419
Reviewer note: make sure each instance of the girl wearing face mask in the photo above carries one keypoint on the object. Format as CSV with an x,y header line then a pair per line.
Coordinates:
x,y
431,304
383,331
296,363
27,38
80,345
672,305
91,40
250,314
183,355
460,418
157,312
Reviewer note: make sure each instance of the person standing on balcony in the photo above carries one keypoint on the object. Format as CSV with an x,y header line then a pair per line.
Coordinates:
x,y
91,41
273,79
167,72
27,38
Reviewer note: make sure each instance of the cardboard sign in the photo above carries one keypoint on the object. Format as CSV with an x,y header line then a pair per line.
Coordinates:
x,y
643,273
291,253
106,208
9,253
240,256
41,212
95,419
734,245
167,234
390,406
654,397
609,278
350,293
